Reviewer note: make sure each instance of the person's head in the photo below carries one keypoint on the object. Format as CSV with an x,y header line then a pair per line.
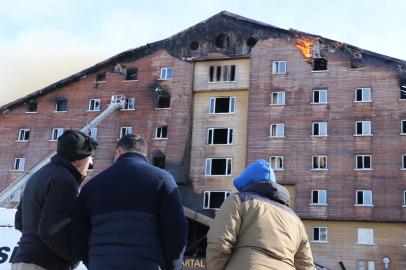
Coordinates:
x,y
131,143
258,171
78,148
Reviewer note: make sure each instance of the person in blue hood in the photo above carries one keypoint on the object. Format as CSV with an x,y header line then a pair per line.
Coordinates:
x,y
256,229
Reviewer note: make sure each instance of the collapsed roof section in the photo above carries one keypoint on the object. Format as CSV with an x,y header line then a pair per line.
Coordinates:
x,y
234,36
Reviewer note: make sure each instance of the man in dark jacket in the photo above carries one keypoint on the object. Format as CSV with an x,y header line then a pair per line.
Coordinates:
x,y
45,208
130,216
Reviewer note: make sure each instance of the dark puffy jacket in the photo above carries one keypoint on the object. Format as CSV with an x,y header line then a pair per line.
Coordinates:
x,y
43,215
130,216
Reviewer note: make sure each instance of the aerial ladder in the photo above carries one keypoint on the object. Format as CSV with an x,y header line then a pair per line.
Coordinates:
x,y
9,194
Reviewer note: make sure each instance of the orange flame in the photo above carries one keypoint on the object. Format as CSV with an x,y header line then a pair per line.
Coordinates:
x,y
306,46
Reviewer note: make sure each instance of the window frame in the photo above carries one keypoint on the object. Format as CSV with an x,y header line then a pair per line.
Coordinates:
x,y
363,163
276,67
363,198
20,133
319,90
319,236
59,133
362,94
166,73
161,135
209,163
362,124
369,265
318,123
401,127
157,102
276,162
277,99
94,105
318,197
57,105
228,136
91,133
97,77
277,128
318,169
121,131
29,105
231,106
365,243
209,192
19,169
127,104
126,75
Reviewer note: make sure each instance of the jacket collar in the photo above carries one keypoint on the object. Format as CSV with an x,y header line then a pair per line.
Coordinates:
x,y
61,160
271,190
132,155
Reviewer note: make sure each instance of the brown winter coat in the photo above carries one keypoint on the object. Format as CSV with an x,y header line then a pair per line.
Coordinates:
x,y
256,229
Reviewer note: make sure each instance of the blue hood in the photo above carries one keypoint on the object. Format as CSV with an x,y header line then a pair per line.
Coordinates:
x,y
260,170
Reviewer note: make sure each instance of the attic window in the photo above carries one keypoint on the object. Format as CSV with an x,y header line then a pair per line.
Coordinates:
x,y
60,105
251,42
132,74
101,77
403,92
159,162
32,107
356,63
194,45
222,41
214,199
164,102
319,64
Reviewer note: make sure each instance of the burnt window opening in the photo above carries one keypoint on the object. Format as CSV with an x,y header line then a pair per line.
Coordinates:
x,y
61,105
214,199
232,73
403,91
222,41
194,45
164,102
161,132
211,73
101,77
131,74
403,127
196,239
251,42
159,162
319,64
225,73
218,166
32,107
356,63
218,73
23,135
222,105
220,136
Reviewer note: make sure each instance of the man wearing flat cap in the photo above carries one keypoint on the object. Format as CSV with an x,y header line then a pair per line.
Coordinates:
x,y
45,208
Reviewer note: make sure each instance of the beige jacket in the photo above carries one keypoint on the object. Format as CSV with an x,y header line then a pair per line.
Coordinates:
x,y
252,231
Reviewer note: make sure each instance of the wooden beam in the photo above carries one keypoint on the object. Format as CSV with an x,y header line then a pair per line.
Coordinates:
x,y
189,213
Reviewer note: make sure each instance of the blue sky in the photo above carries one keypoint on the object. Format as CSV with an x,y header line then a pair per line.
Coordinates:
x,y
44,41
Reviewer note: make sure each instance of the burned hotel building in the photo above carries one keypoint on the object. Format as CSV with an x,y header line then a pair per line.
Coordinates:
x,y
329,117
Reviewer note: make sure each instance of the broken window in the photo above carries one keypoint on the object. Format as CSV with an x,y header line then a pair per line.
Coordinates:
x,y
131,74
91,166
32,107
276,162
232,73
218,166
218,73
279,67
320,96
19,164
277,130
56,133
220,136
166,73
319,64
356,63
251,41
363,94
23,135
94,105
320,234
125,130
93,133
320,129
319,196
101,77
129,104
159,162
403,127
403,92
211,73
364,162
194,45
278,98
222,41
319,162
161,132
363,128
214,199
365,236
164,102
60,105
222,105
